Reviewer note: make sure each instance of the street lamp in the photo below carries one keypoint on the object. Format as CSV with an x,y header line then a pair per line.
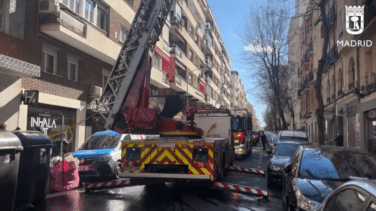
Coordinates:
x,y
206,69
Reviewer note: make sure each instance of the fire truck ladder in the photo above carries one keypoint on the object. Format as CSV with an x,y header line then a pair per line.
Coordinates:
x,y
142,36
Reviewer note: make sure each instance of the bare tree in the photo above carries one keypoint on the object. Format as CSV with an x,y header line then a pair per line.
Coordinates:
x,y
266,52
289,93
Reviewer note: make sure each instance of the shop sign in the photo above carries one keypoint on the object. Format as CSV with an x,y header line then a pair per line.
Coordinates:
x,y
30,97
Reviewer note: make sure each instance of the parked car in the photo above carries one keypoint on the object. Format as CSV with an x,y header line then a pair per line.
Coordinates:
x,y
100,155
281,156
292,135
355,195
315,171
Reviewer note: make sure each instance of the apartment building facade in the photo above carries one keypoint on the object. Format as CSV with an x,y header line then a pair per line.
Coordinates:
x,y
238,93
348,79
65,50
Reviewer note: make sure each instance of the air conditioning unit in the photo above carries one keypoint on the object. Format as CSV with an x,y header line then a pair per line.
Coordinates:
x,y
49,6
95,91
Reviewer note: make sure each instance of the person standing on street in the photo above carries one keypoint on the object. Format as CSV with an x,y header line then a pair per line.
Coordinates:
x,y
339,140
263,140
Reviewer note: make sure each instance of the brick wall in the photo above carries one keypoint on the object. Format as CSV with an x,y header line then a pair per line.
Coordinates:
x,y
116,20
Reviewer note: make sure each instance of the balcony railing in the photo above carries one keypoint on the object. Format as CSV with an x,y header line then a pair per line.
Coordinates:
x,y
351,86
333,96
331,58
178,79
340,92
174,49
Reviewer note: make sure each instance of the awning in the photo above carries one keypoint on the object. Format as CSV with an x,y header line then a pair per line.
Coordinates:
x,y
16,67
160,52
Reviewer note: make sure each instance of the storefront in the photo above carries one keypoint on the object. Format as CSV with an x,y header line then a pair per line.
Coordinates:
x,y
51,119
353,125
371,130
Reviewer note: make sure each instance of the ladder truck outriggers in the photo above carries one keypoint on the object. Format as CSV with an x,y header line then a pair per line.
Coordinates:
x,y
181,152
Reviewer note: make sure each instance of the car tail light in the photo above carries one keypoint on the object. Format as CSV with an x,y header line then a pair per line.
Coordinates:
x,y
240,136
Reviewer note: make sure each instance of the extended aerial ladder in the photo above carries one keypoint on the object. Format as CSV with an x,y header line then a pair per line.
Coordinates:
x,y
126,95
125,100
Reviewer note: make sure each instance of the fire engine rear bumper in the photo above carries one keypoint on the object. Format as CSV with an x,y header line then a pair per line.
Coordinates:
x,y
165,176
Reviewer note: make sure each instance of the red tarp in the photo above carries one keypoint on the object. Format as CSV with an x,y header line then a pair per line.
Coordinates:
x,y
202,88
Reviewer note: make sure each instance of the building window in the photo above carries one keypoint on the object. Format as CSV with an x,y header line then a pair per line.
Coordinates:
x,y
123,34
157,61
49,60
340,78
130,2
351,74
190,55
89,10
105,76
74,5
102,17
190,78
191,30
72,69
4,14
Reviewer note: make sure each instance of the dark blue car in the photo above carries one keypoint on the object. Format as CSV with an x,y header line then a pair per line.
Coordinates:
x,y
316,171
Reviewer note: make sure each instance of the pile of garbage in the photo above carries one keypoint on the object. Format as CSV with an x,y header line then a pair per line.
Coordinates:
x,y
64,175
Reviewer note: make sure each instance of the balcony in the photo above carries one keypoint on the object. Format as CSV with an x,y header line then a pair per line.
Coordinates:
x,y
333,97
351,86
331,58
370,13
339,93
331,17
305,59
310,77
75,31
174,49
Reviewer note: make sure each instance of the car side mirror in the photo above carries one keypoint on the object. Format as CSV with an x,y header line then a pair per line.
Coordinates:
x,y
287,168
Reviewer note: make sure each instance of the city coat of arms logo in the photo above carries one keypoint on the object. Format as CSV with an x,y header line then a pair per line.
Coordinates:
x,y
354,19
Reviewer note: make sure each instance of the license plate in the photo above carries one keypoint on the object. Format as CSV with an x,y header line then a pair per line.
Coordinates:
x,y
131,168
4,159
84,168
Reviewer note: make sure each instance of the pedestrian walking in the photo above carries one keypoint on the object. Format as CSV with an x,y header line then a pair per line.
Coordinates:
x,y
263,140
339,140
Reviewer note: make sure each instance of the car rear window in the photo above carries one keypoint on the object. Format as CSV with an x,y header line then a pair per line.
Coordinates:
x,y
286,149
293,138
316,164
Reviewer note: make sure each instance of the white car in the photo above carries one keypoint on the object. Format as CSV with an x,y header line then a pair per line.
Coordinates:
x,y
292,135
100,155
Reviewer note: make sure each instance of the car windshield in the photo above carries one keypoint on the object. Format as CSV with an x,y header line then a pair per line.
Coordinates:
x,y
293,138
316,164
286,149
101,142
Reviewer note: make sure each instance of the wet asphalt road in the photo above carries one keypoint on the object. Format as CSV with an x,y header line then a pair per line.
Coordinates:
x,y
175,196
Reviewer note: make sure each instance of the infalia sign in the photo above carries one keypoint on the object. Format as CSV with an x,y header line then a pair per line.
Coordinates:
x,y
354,26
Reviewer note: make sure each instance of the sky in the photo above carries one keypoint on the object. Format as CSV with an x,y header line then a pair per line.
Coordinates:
x,y
230,18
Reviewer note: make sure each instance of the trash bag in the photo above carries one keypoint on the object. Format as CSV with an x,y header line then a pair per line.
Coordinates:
x,y
64,175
